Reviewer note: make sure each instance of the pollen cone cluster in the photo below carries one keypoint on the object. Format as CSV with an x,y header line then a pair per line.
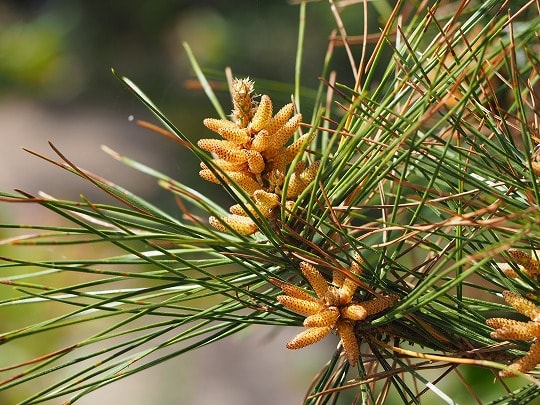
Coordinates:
x,y
510,329
254,154
333,307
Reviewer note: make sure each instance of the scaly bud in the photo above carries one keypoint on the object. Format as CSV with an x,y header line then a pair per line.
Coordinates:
x,y
261,141
280,138
280,119
526,363
206,174
216,124
317,281
356,312
236,135
376,305
300,306
296,292
241,92
308,175
516,331
347,290
210,144
262,115
522,305
233,155
327,317
265,202
308,337
245,181
241,225
530,265
255,161
224,165
349,341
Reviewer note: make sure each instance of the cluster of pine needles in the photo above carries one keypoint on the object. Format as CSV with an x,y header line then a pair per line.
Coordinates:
x,y
402,216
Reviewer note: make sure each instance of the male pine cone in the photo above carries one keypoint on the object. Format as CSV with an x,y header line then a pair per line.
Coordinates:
x,y
254,154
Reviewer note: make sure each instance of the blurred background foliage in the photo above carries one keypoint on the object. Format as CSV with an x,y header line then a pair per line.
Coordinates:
x,y
61,51
56,56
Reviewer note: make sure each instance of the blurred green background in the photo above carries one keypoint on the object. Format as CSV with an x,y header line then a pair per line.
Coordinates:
x,y
55,71
56,85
